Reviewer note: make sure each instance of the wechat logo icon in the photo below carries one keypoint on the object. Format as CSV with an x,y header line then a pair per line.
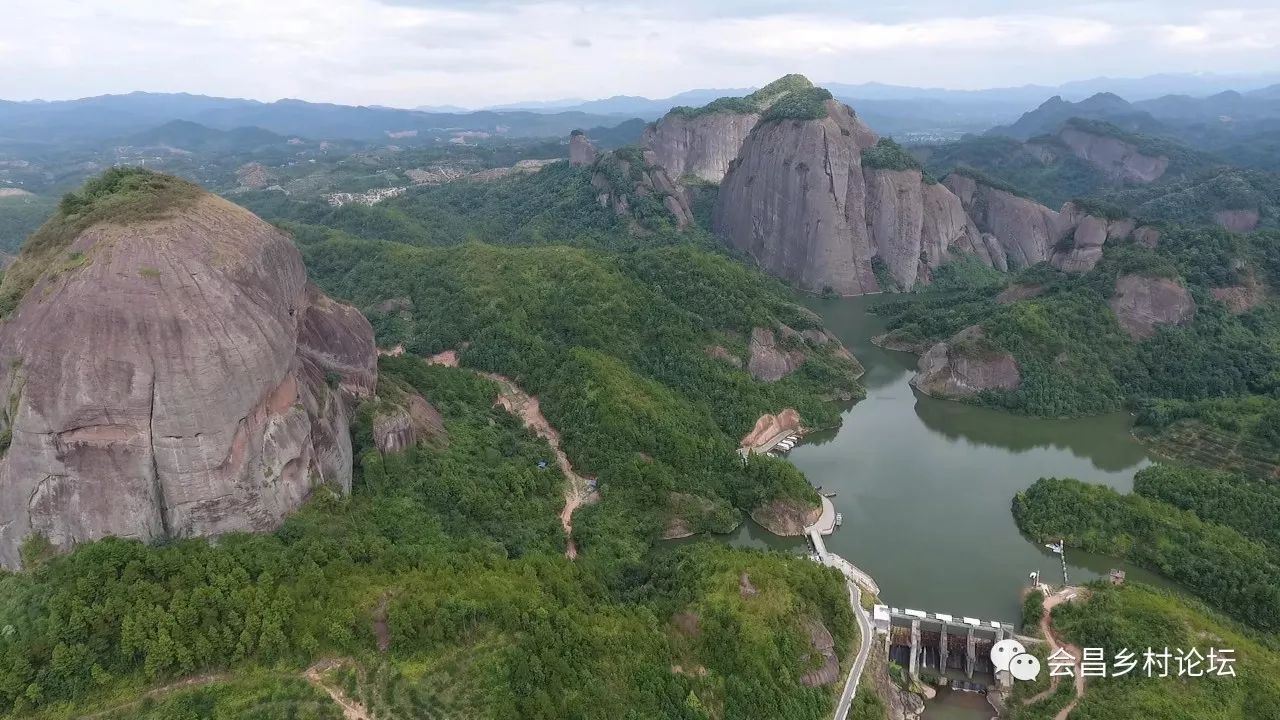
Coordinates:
x,y
1012,656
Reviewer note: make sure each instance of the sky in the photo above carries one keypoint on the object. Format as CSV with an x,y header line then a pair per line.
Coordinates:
x,y
473,53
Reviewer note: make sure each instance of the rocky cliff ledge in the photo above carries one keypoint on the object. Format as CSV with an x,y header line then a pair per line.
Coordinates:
x,y
965,366
168,371
701,145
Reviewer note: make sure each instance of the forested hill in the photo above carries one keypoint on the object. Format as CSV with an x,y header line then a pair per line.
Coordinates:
x,y
1186,333
440,585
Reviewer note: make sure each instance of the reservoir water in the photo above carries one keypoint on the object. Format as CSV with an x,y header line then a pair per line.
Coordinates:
x,y
925,485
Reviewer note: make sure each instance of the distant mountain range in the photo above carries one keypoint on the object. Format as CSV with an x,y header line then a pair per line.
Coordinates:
x,y
112,116
899,109
910,113
1206,122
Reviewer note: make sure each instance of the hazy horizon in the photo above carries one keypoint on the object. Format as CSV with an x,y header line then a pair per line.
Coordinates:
x,y
408,53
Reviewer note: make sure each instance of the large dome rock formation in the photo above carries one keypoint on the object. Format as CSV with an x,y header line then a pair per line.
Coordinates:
x,y
168,371
815,200
795,201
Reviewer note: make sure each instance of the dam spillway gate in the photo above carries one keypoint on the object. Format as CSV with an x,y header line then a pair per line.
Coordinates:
x,y
943,643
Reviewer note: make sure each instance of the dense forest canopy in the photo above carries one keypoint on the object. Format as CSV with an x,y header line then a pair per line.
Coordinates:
x,y
450,556
1076,360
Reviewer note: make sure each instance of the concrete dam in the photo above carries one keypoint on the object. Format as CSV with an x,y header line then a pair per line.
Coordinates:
x,y
949,645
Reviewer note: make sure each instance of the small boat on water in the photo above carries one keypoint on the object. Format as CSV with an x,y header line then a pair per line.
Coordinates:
x,y
828,494
839,519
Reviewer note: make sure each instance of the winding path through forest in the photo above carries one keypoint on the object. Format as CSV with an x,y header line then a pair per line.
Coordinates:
x,y
578,489
351,709
1046,628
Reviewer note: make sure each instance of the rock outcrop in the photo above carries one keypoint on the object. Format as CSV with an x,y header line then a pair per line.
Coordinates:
x,y
795,201
786,518
1017,228
581,151
701,145
965,366
174,377
1116,158
1081,237
1240,298
767,361
1142,304
1147,236
916,225
771,427
405,423
620,182
824,668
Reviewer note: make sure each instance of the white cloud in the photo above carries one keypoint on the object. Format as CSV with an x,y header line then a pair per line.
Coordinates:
x,y
411,52
1229,31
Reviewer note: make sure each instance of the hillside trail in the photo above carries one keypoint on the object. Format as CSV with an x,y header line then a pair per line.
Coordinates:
x,y
1055,644
578,489
189,682
351,709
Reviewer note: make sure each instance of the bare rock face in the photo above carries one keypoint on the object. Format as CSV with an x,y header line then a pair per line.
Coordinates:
x,y
768,362
795,201
963,367
581,151
827,669
702,146
1081,248
406,423
769,427
915,226
948,231
1237,220
1147,236
182,379
1081,237
1118,159
1021,229
1142,304
786,518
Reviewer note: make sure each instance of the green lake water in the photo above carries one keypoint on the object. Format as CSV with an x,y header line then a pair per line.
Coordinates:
x,y
925,485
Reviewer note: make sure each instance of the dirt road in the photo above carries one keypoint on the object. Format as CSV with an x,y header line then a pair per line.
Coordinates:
x,y
1055,644
578,489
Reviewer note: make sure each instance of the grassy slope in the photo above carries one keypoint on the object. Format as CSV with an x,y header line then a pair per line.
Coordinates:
x,y
1136,618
